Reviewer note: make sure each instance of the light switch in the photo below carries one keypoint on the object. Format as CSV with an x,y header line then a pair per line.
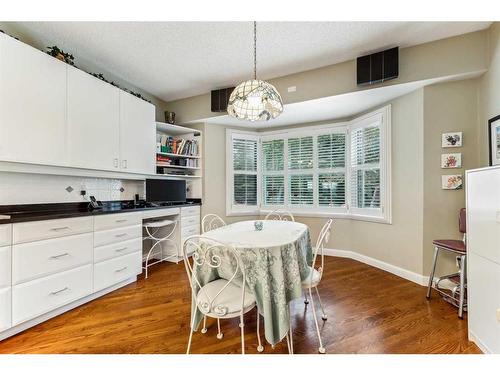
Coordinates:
x,y
292,89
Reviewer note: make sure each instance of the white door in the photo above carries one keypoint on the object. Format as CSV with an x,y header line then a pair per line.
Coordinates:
x,y
32,105
93,122
137,135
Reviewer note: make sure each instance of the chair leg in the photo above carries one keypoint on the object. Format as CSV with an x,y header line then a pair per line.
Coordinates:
x,y
306,301
462,286
220,335
321,349
324,316
288,343
260,348
433,270
204,329
242,325
290,328
191,329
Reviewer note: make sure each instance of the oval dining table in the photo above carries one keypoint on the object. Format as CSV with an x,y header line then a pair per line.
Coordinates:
x,y
276,260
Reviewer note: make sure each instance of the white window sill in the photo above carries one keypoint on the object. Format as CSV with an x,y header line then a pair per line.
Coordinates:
x,y
334,215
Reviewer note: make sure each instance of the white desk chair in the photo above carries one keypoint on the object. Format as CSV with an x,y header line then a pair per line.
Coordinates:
x,y
315,276
281,215
221,298
152,229
211,222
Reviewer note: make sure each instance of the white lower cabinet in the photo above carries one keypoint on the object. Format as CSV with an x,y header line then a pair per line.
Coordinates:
x,y
113,271
5,309
36,259
40,296
5,266
102,253
107,237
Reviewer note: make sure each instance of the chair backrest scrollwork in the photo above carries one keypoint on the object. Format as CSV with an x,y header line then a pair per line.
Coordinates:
x,y
211,222
323,238
211,260
280,215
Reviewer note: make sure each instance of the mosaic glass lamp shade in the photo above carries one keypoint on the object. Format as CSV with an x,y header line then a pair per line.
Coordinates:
x,y
255,100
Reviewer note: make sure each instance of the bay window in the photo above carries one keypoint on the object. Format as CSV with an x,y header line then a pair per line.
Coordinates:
x,y
339,170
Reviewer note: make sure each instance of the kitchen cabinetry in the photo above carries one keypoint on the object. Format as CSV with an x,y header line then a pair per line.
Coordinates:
x,y
137,135
32,105
93,122
483,258
5,277
57,115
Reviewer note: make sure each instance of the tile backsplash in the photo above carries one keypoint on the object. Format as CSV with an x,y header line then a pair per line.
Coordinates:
x,y
24,188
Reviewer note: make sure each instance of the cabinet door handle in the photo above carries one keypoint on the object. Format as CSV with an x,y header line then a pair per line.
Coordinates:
x,y
59,256
124,163
59,228
121,221
115,162
121,269
120,250
59,291
121,235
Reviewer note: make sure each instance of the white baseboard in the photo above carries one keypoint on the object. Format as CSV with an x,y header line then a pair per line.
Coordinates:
x,y
398,271
479,343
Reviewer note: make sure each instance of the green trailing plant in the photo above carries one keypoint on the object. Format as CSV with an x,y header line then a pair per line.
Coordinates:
x,y
102,78
59,54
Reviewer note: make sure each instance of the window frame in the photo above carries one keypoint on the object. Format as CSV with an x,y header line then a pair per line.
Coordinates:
x,y
381,215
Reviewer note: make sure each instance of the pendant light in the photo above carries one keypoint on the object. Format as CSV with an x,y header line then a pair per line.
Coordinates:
x,y
255,100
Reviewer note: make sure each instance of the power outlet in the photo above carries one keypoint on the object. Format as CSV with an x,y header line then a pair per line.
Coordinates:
x,y
498,315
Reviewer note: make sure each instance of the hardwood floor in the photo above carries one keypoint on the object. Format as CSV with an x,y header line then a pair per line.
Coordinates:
x,y
369,311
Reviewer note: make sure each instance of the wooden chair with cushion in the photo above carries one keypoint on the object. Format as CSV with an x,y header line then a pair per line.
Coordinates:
x,y
457,294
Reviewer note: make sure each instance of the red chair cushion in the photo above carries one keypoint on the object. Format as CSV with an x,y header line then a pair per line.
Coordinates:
x,y
454,245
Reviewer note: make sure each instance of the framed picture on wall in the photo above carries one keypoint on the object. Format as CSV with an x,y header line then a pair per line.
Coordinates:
x,y
451,160
451,139
452,182
494,137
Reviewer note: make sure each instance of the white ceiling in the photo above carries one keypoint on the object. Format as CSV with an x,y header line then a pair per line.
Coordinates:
x,y
335,107
172,60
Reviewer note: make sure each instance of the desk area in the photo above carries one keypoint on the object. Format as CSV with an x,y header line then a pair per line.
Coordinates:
x,y
60,256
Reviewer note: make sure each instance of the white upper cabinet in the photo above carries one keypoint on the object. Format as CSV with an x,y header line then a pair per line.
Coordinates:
x,y
137,135
32,105
93,122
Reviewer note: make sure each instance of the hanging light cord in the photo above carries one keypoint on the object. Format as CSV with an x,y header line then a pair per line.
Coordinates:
x,y
254,49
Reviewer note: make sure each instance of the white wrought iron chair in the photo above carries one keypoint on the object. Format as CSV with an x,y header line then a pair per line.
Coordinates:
x,y
315,276
281,215
223,298
211,221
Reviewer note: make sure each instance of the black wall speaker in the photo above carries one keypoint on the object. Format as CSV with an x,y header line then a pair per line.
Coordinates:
x,y
220,98
378,67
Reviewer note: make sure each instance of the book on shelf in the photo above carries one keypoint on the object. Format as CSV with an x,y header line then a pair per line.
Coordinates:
x,y
180,146
165,161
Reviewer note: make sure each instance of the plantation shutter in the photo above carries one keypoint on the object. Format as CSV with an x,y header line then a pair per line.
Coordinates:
x,y
331,165
301,189
300,153
244,171
273,184
365,166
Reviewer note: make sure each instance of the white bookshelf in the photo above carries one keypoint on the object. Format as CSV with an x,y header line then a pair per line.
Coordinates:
x,y
192,173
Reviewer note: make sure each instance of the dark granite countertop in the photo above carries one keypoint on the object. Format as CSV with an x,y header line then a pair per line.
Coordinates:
x,y
49,211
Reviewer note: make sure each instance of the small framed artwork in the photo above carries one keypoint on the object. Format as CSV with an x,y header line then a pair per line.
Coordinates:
x,y
494,135
451,160
452,182
451,139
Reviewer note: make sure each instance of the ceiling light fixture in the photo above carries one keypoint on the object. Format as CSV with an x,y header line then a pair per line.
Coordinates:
x,y
255,100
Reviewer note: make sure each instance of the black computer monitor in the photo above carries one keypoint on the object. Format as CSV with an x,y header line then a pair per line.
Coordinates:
x,y
165,191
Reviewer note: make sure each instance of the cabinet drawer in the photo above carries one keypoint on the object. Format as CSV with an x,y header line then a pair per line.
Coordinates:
x,y
5,234
190,231
190,220
5,266
39,296
111,221
42,258
118,249
5,309
190,211
110,236
113,271
41,230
